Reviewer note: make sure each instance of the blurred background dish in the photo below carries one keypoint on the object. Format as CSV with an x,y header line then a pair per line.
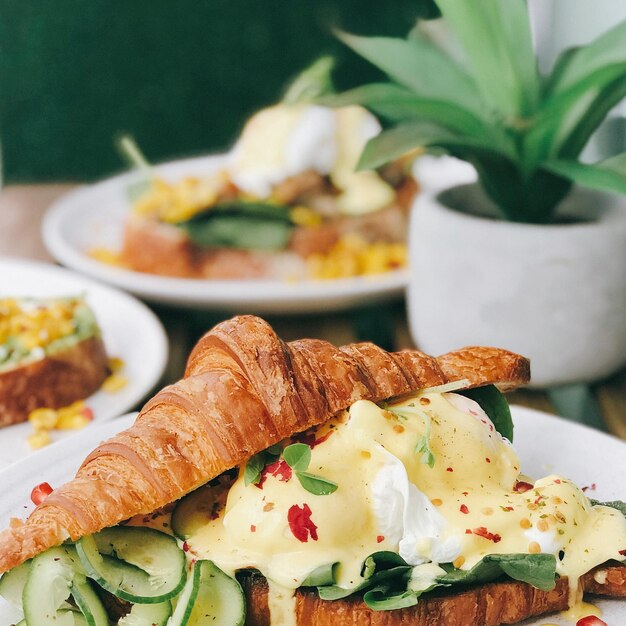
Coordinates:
x,y
132,335
94,217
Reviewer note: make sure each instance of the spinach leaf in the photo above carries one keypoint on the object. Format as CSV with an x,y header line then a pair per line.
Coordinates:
x,y
614,504
494,404
246,225
380,599
323,575
254,467
538,570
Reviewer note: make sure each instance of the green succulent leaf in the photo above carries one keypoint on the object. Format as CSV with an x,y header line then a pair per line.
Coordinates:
x,y
398,104
608,49
421,67
595,176
496,38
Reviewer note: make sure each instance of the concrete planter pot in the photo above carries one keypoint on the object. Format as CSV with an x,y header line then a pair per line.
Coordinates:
x,y
554,293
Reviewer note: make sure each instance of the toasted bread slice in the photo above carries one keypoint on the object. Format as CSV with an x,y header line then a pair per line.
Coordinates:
x,y
492,604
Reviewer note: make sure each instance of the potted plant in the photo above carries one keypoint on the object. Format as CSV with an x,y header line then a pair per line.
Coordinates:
x,y
533,256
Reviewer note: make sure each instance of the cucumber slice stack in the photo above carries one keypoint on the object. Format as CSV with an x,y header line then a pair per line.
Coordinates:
x,y
210,597
140,565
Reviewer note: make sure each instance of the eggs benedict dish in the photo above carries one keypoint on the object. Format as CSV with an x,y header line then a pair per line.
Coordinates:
x,y
304,484
285,203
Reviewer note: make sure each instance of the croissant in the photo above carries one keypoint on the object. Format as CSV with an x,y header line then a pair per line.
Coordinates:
x,y
244,390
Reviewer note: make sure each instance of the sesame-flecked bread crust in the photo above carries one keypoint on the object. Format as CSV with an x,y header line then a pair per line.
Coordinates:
x,y
244,390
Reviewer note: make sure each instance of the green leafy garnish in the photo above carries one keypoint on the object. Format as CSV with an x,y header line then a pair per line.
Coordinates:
x,y
254,467
321,576
538,570
316,484
423,443
240,224
618,505
494,404
132,154
298,456
313,82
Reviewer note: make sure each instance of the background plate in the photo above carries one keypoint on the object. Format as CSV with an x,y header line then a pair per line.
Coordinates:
x,y
129,329
93,216
544,443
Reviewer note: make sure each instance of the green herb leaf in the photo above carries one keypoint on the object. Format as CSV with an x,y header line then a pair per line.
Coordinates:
x,y
254,467
494,404
321,576
423,444
246,225
538,570
297,456
316,485
380,598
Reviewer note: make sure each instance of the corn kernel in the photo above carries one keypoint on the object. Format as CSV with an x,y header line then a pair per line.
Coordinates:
x,y
43,419
114,383
74,421
39,439
116,364
72,409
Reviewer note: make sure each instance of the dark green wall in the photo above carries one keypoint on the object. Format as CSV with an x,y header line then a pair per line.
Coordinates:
x,y
180,75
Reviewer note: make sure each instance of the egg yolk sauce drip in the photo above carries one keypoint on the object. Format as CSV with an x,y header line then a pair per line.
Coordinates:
x,y
428,478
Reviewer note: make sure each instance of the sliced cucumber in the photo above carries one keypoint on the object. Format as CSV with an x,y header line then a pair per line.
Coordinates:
x,y
136,564
147,615
198,508
12,584
210,597
53,576
79,619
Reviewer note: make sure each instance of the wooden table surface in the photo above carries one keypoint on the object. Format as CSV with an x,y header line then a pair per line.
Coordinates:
x,y
602,405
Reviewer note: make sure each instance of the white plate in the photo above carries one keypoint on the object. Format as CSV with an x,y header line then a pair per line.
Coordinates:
x,y
93,216
544,443
130,331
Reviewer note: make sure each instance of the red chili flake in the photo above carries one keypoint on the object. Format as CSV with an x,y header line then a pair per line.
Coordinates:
x,y
591,487
88,413
464,509
279,468
622,552
185,546
252,528
507,508
522,487
539,499
40,493
481,531
301,524
449,469
380,538
487,459
591,620
557,481
465,493
468,531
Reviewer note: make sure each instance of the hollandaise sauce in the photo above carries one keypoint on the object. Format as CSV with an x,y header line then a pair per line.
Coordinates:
x,y
428,478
